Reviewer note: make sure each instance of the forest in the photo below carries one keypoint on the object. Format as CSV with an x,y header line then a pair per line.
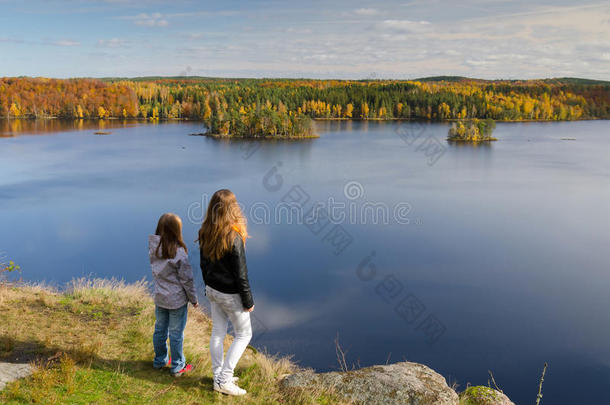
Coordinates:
x,y
284,107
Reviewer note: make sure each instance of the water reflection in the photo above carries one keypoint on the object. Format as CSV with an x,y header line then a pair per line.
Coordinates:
x,y
335,125
475,145
16,127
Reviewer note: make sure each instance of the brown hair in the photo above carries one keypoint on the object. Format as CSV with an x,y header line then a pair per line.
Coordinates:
x,y
223,221
169,229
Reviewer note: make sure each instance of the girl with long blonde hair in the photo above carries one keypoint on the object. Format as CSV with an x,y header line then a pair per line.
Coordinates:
x,y
222,239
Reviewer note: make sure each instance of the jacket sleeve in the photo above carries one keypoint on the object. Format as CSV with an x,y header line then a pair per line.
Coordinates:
x,y
185,276
243,284
203,264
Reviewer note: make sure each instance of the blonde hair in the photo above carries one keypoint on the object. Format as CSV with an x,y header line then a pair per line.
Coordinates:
x,y
169,228
223,221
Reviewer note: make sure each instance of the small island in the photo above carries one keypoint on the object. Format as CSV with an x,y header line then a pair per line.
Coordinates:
x,y
256,121
473,130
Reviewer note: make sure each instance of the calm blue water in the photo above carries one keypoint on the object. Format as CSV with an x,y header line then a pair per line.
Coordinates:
x,y
503,263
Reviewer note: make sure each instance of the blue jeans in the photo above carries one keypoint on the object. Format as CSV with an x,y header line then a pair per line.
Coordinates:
x,y
172,322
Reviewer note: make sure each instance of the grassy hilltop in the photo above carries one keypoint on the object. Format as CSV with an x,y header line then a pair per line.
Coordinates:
x,y
93,345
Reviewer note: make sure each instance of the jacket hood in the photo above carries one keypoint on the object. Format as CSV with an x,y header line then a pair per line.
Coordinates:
x,y
153,242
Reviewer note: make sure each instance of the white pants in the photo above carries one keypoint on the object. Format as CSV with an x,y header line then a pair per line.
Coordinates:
x,y
225,308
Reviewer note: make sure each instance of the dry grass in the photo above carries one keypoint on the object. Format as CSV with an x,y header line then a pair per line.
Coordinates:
x,y
92,343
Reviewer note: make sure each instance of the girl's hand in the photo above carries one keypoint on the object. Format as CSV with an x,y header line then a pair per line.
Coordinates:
x,y
249,309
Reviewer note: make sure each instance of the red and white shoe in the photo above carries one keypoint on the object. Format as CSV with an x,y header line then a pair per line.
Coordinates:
x,y
185,370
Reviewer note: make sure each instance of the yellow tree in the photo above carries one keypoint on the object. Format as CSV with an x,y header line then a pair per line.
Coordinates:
x,y
281,108
337,110
364,110
463,113
546,110
207,111
143,111
176,110
528,107
444,111
349,109
14,111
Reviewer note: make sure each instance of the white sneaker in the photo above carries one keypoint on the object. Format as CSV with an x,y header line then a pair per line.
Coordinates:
x,y
229,388
234,379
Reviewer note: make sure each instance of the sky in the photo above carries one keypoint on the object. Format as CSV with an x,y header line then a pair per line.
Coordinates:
x,y
490,39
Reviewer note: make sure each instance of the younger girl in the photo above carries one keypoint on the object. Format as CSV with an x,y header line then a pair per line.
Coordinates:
x,y
223,264
174,289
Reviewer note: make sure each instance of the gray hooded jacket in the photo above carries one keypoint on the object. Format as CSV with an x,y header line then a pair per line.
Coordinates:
x,y
173,278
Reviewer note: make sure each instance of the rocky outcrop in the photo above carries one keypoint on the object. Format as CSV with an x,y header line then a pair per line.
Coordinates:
x,y
11,372
402,383
481,395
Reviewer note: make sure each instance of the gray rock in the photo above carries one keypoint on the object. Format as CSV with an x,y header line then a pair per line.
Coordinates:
x,y
402,383
481,395
12,371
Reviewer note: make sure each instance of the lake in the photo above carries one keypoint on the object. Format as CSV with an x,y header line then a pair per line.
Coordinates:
x,y
464,258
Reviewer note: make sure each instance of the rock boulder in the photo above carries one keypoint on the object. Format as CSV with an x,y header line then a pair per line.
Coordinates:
x,y
402,383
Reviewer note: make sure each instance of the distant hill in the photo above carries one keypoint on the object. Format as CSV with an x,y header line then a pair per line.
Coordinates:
x,y
429,79
557,80
448,79
576,80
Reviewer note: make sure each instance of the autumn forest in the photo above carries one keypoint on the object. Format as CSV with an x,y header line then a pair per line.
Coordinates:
x,y
285,107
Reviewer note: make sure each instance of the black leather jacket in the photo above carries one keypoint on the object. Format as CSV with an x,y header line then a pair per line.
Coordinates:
x,y
229,274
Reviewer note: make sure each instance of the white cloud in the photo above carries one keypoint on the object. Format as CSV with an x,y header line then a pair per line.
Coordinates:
x,y
150,20
298,30
405,25
112,43
275,315
195,35
366,11
12,40
66,42
507,57
478,63
320,57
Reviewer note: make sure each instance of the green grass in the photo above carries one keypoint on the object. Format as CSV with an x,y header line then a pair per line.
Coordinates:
x,y
93,345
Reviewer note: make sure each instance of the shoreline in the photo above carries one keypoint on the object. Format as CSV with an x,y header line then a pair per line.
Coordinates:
x,y
322,119
253,138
